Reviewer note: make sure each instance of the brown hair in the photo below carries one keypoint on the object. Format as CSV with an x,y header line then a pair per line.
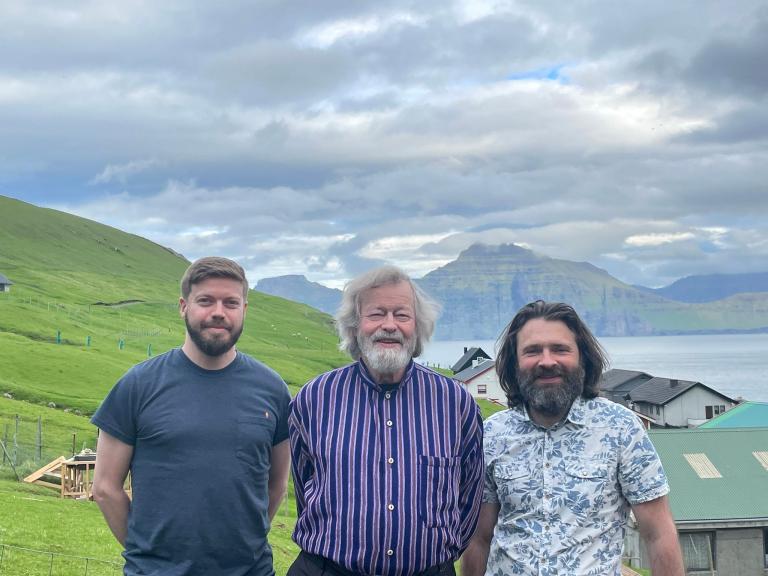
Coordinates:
x,y
592,356
212,267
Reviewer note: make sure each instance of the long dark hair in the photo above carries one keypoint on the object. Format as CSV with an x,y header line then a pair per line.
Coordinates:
x,y
592,355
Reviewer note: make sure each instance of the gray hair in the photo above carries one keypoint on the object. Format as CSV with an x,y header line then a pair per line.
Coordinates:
x,y
425,309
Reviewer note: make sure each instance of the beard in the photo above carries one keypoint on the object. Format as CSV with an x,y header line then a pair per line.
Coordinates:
x,y
213,344
386,361
550,399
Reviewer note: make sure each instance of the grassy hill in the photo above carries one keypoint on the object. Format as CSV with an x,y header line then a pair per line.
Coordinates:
x,y
81,287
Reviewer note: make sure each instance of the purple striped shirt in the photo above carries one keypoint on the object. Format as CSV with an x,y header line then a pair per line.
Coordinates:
x,y
387,482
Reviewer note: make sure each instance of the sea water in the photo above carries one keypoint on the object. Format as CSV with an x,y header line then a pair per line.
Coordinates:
x,y
734,364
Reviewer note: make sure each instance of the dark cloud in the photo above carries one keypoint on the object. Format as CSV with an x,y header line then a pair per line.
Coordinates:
x,y
325,137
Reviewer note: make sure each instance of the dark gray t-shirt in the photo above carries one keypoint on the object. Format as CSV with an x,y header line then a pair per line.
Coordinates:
x,y
202,446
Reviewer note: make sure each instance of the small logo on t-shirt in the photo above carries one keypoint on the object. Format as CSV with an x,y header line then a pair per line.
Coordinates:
x,y
266,414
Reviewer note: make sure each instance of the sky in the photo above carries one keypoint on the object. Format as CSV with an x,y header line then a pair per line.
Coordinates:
x,y
324,138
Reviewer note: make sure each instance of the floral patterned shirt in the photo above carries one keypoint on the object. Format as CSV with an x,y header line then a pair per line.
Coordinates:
x,y
565,492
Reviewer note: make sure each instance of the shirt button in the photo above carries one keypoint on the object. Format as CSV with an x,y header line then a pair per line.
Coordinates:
x,y
389,423
391,460
387,395
546,465
390,552
390,507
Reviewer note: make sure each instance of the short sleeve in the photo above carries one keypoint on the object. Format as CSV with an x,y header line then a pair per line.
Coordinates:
x,y
283,402
490,453
641,474
117,414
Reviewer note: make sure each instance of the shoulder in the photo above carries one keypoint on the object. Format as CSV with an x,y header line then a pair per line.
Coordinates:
x,y
446,382
150,367
604,412
250,363
501,422
264,374
328,379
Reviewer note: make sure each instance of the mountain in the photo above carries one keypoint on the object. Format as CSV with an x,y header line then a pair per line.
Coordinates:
x,y
484,287
711,287
297,287
80,288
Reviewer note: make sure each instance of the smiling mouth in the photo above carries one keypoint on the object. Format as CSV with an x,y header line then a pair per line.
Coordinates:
x,y
387,342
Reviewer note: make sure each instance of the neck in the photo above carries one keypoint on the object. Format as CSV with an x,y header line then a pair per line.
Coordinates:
x,y
207,362
384,378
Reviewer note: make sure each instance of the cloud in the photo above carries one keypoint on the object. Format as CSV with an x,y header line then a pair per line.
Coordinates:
x,y
324,138
121,172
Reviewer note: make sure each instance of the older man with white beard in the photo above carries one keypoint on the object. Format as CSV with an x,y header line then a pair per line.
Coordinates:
x,y
387,454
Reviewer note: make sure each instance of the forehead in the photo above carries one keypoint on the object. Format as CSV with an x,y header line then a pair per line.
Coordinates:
x,y
539,331
389,296
220,287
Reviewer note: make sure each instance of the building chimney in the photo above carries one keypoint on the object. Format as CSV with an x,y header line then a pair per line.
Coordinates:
x,y
674,382
465,349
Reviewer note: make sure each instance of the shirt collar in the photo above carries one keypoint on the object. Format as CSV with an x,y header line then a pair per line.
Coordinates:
x,y
576,415
365,375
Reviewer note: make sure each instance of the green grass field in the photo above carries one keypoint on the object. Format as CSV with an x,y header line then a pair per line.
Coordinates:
x,y
59,345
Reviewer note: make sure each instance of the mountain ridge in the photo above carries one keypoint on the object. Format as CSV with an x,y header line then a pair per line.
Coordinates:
x,y
484,287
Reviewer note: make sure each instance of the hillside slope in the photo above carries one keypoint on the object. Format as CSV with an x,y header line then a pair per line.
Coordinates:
x,y
59,341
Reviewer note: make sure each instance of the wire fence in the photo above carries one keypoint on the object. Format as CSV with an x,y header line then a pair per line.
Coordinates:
x,y
29,442
19,561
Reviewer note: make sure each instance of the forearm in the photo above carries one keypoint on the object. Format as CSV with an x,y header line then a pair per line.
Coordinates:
x,y
475,558
276,495
665,558
115,505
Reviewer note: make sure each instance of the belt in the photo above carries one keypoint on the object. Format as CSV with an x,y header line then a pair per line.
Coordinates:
x,y
446,568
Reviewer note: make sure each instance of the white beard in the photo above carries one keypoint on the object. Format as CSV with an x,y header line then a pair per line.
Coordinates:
x,y
386,361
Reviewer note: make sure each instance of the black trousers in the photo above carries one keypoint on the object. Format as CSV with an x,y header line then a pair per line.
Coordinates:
x,y
313,565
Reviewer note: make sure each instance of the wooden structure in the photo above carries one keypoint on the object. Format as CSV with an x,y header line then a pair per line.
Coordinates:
x,y
73,477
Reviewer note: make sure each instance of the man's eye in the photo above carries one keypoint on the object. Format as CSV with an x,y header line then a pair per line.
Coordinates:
x,y
232,304
403,317
376,316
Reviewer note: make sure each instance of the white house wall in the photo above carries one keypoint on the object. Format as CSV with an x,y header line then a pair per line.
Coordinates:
x,y
691,406
493,388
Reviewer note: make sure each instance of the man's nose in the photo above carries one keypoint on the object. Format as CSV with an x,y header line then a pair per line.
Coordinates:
x,y
389,323
547,359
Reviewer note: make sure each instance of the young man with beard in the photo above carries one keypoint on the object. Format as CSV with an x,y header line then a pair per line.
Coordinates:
x,y
203,430
563,467
386,454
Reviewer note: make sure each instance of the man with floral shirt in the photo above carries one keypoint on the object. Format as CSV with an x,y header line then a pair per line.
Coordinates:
x,y
563,467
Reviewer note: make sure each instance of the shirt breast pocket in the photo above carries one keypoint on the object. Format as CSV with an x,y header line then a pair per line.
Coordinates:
x,y
513,486
585,485
438,481
253,444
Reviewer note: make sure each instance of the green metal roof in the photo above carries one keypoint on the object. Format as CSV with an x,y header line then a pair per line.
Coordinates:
x,y
742,491
745,415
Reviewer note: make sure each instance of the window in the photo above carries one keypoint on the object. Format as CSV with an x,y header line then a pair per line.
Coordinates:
x,y
698,550
765,546
658,410
482,389
710,411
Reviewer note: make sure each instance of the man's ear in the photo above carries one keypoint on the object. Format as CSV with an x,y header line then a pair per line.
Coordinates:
x,y
182,306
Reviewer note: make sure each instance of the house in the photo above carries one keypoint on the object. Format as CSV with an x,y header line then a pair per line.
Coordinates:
x,y
615,384
718,481
745,415
678,403
5,284
471,357
482,382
